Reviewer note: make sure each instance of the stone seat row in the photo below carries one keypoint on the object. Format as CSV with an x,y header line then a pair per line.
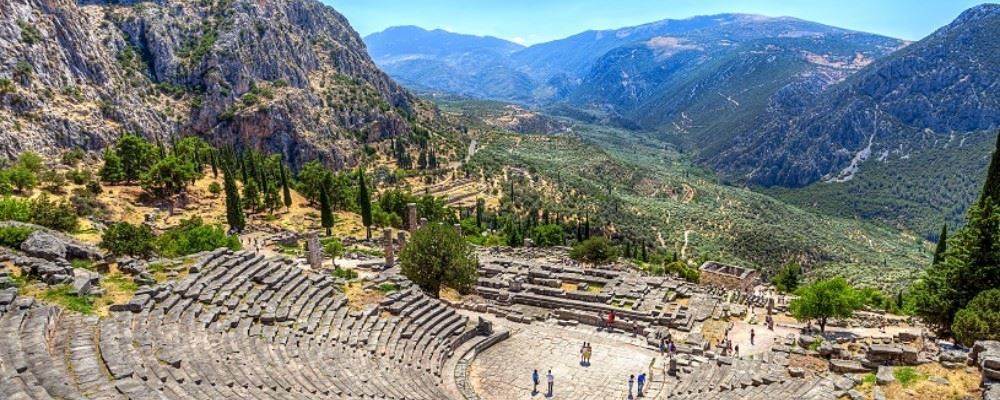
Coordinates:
x,y
237,326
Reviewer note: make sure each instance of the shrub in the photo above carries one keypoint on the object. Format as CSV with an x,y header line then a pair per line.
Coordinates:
x,y
86,203
344,273
7,86
22,178
333,248
73,157
58,215
29,33
787,279
907,375
979,320
13,236
79,176
215,188
193,236
125,239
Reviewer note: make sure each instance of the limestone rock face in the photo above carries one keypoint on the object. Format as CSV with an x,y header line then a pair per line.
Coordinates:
x,y
44,245
289,76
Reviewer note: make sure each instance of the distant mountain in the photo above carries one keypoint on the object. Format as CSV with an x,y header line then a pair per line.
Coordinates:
x,y
438,60
916,99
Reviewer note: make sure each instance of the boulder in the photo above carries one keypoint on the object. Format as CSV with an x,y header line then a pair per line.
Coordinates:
x,y
885,375
796,372
44,245
846,366
878,394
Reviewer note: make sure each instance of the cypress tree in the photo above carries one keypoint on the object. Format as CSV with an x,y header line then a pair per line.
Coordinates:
x,y
991,188
480,209
326,212
251,195
234,208
287,194
214,158
365,202
942,245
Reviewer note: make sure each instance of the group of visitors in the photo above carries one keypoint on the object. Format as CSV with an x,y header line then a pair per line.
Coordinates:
x,y
606,321
585,352
549,377
641,383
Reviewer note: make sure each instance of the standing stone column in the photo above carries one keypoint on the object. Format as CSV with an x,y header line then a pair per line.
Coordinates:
x,y
458,229
387,243
401,238
411,217
314,252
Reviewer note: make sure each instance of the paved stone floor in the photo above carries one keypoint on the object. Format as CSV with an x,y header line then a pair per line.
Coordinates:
x,y
503,372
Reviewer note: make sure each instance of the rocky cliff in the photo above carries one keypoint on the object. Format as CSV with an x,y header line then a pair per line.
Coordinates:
x,y
289,76
917,99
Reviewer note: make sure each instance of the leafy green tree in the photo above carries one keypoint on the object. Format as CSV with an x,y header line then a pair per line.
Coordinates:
x,y
979,320
234,207
788,278
168,176
942,245
548,235
30,160
123,238
596,250
480,212
214,188
112,171
136,155
58,215
365,201
438,256
193,236
22,178
311,178
73,157
326,210
333,248
831,298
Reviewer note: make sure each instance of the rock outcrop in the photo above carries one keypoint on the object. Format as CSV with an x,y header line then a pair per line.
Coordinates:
x,y
288,76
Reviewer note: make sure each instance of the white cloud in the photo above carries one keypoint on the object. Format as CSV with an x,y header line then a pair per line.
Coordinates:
x,y
518,40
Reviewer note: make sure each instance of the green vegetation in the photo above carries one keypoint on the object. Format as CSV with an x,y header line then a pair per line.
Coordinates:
x,y
82,264
968,267
13,236
365,203
388,287
437,256
907,376
788,278
600,178
831,298
193,236
29,33
979,320
63,295
596,250
125,239
332,247
39,211
344,273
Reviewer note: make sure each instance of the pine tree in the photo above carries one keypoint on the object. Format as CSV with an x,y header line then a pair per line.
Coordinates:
x,y
325,209
991,188
251,195
365,202
942,245
215,164
234,208
286,193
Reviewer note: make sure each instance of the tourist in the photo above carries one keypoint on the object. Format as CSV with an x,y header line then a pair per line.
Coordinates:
x,y
631,381
600,320
586,354
737,350
583,353
673,348
641,383
552,379
635,328
752,335
611,321
534,379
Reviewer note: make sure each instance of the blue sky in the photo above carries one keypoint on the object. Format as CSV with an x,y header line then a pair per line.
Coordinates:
x,y
537,21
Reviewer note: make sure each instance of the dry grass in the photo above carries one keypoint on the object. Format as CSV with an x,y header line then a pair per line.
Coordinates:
x,y
568,287
714,331
811,365
358,297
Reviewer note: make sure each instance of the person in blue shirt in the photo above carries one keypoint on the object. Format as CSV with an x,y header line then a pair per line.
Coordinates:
x,y
534,379
641,382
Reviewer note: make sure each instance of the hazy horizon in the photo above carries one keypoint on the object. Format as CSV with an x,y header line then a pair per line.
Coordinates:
x,y
526,22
